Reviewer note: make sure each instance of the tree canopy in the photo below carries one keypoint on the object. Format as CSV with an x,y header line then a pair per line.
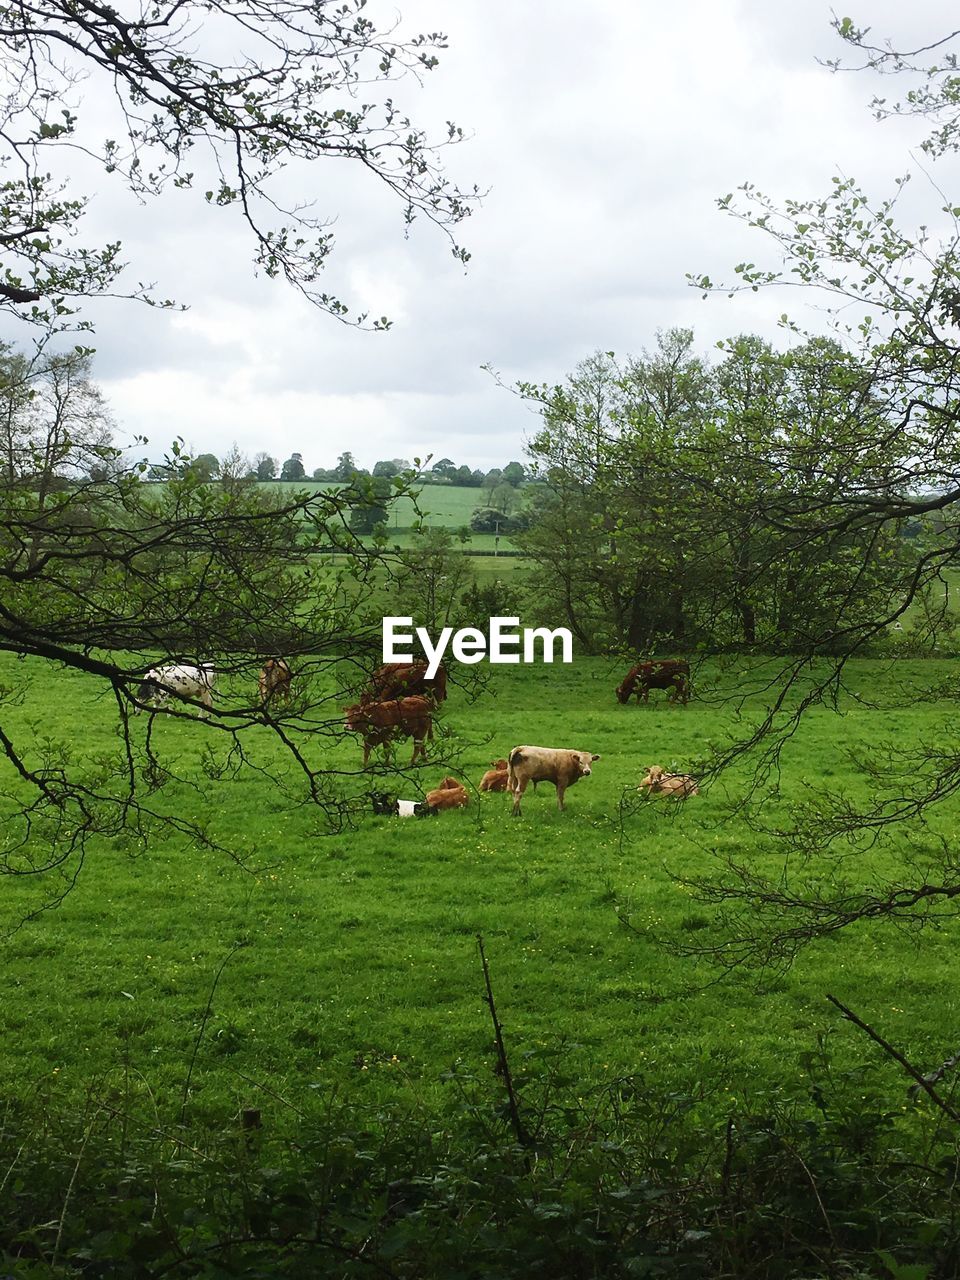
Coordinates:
x,y
224,129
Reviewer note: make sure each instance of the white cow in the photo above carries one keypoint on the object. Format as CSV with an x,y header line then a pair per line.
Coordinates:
x,y
178,681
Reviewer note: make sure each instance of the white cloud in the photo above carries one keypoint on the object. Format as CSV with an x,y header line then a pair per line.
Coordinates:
x,y
604,134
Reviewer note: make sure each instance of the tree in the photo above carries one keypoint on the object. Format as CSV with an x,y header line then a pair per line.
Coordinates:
x,y
346,467
896,465
385,469
100,573
292,469
55,423
490,482
370,498
514,473
659,479
206,467
225,132
434,573
504,498
445,468
265,466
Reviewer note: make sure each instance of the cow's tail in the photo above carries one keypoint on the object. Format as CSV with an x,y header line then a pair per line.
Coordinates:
x,y
516,755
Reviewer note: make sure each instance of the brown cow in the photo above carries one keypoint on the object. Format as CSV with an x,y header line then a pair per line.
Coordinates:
x,y
495,779
381,722
274,681
675,785
665,673
401,679
450,794
546,764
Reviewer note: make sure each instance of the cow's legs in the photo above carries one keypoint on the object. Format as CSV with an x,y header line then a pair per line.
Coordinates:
x,y
517,793
560,790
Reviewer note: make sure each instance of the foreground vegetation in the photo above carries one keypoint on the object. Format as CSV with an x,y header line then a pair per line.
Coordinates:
x,y
326,991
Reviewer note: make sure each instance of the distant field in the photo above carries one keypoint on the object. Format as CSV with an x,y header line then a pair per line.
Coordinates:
x,y
359,968
446,506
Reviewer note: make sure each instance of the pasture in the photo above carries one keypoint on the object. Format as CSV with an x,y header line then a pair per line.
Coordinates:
x,y
356,965
441,506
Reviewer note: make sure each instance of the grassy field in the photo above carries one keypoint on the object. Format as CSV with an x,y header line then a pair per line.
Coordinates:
x,y
357,964
442,506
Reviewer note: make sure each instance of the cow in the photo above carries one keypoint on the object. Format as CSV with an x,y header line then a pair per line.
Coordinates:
x,y
415,809
402,679
380,722
675,785
274,682
495,779
546,764
178,681
385,805
450,794
664,673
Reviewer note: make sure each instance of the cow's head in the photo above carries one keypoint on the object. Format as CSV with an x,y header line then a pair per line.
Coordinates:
x,y
651,780
382,802
356,720
584,761
623,693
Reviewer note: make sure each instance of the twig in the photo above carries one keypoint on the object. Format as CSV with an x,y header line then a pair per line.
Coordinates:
x,y
203,1025
888,1048
518,1126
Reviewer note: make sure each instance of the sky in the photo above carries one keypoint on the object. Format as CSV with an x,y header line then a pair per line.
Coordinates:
x,y
602,136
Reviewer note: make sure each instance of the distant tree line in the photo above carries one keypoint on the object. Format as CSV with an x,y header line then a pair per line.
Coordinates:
x,y
265,467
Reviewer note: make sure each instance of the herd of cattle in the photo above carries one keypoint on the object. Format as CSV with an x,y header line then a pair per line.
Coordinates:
x,y
400,701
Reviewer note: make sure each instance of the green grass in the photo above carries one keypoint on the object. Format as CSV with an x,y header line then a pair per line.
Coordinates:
x,y
359,965
442,506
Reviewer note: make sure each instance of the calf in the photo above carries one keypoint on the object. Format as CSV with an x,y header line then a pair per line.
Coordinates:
x,y
546,764
675,785
401,679
386,806
381,722
495,779
274,682
666,673
450,794
178,681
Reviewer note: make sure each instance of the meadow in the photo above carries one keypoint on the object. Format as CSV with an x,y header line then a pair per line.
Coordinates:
x,y
440,506
349,960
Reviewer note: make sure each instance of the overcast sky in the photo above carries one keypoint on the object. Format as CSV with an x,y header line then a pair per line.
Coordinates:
x,y
603,133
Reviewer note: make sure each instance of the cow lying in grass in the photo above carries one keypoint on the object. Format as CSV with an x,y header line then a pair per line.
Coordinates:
x,y
450,794
381,722
387,806
677,786
546,764
495,779
192,684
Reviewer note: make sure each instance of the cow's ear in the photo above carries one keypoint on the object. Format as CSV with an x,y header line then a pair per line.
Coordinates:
x,y
594,757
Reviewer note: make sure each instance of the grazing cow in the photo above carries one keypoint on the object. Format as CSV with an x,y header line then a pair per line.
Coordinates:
x,y
450,794
546,764
401,679
178,681
381,722
274,682
666,673
675,785
495,779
